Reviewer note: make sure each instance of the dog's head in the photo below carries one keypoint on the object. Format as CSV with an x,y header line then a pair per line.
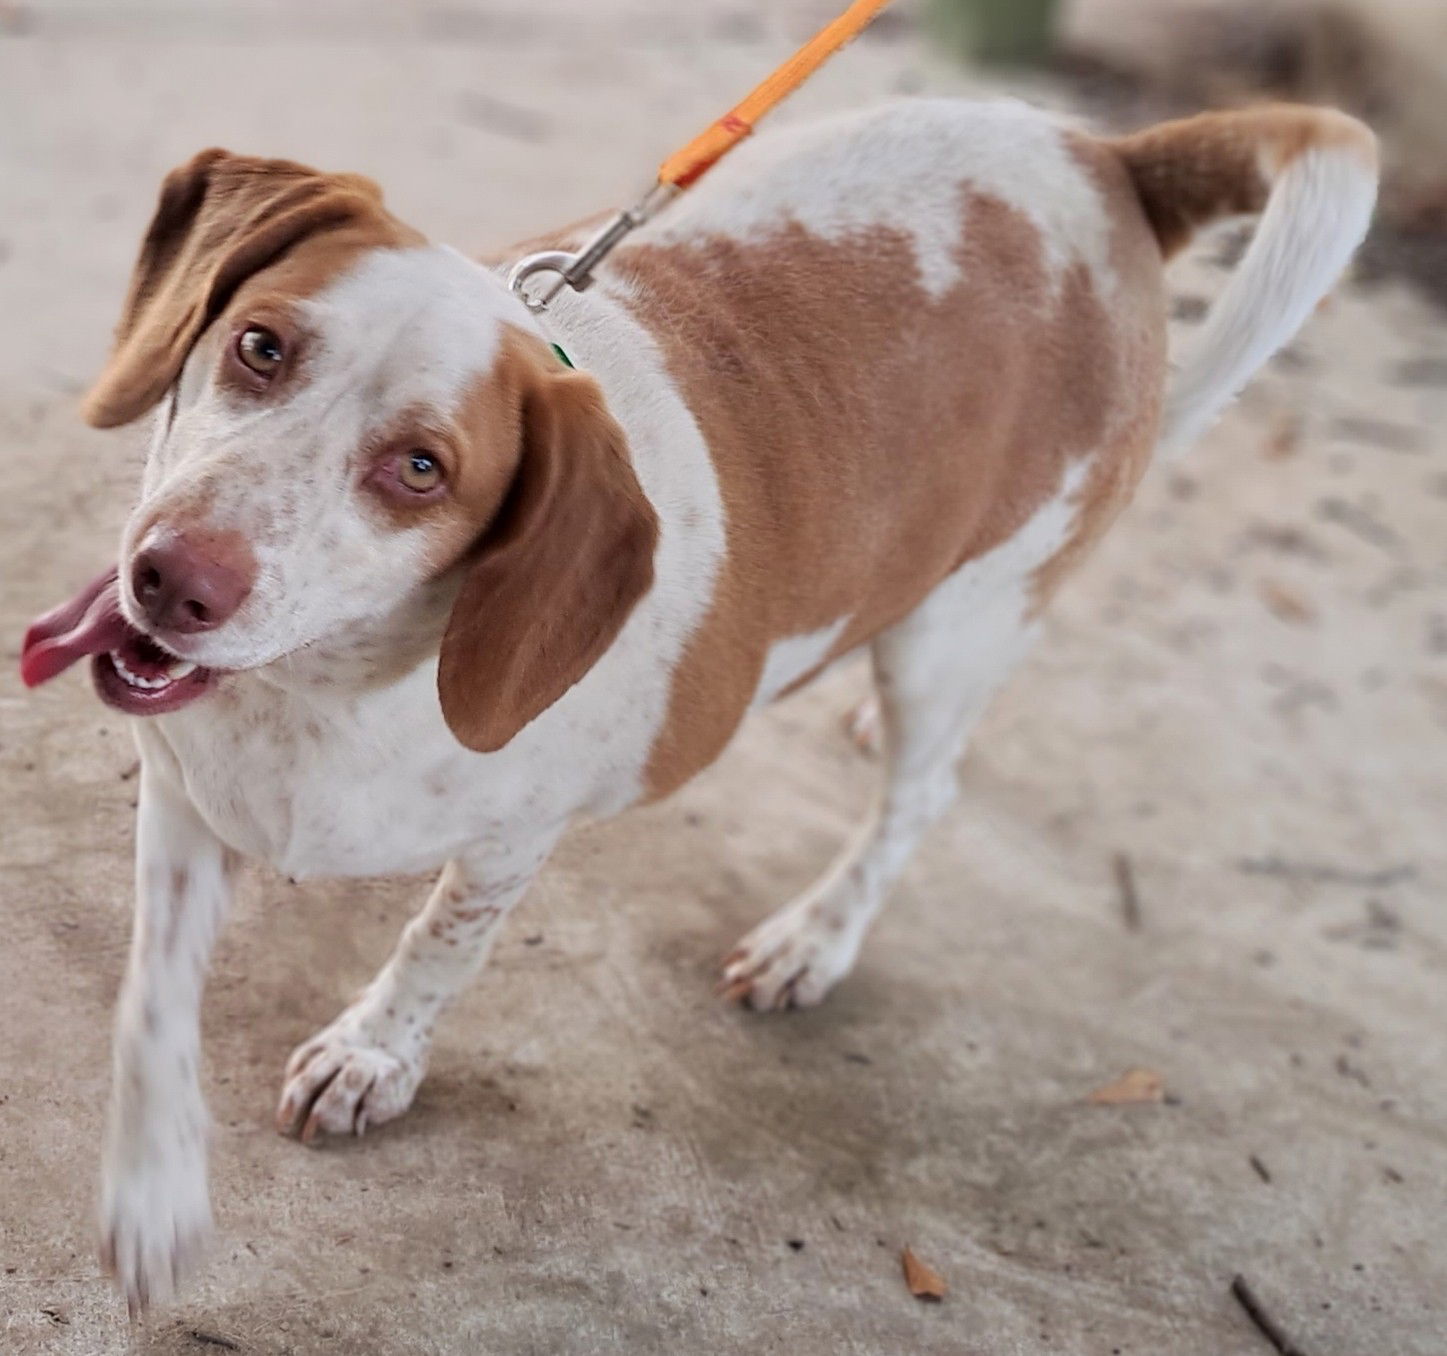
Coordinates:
x,y
356,427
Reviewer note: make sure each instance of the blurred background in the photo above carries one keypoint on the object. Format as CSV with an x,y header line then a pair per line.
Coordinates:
x,y
1202,831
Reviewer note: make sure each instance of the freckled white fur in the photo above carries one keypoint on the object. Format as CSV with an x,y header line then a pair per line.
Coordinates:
x,y
155,1210
308,761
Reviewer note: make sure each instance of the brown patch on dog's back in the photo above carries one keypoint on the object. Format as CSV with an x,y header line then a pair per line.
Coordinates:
x,y
869,438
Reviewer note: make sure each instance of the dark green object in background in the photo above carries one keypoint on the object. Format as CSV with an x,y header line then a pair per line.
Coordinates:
x,y
996,32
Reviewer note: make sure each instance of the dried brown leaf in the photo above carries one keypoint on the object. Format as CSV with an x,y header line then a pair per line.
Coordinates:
x,y
1133,1086
1284,435
924,1281
1286,603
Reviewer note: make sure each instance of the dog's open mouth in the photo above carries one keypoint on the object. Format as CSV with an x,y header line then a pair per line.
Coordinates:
x,y
132,672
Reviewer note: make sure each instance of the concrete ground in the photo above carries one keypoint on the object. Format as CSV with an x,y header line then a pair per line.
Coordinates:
x,y
1245,692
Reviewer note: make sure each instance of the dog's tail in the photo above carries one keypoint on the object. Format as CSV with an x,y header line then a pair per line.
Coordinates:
x,y
1312,172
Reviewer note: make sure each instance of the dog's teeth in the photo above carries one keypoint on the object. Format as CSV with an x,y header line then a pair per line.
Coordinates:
x,y
135,679
182,668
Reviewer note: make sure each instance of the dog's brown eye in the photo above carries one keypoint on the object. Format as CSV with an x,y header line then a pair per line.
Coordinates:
x,y
420,471
260,350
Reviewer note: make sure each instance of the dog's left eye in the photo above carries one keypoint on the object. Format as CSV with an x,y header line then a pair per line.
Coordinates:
x,y
419,471
260,351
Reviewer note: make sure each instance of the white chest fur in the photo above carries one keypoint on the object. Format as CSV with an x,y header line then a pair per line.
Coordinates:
x,y
329,782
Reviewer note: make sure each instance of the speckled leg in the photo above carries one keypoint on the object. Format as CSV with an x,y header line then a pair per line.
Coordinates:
x,y
365,1067
155,1207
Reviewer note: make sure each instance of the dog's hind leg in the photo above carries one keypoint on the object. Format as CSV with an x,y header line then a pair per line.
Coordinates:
x,y
935,672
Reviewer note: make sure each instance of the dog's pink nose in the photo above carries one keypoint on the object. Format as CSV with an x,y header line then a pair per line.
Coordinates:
x,y
186,586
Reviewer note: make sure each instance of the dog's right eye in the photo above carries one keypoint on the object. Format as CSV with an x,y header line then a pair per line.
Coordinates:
x,y
260,351
420,471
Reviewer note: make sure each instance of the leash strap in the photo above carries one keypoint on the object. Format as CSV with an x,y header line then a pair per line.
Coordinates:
x,y
685,167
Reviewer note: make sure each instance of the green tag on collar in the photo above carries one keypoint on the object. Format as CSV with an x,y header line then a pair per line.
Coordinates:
x,y
562,357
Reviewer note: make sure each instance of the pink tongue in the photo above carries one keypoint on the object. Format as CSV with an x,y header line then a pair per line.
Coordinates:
x,y
89,623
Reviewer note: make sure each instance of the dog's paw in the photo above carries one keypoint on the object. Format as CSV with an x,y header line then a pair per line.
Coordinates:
x,y
155,1217
792,959
340,1082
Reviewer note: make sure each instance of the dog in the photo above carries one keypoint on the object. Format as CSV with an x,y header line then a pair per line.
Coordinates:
x,y
417,578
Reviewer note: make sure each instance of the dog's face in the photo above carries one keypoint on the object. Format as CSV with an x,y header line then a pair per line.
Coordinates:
x,y
329,448
355,428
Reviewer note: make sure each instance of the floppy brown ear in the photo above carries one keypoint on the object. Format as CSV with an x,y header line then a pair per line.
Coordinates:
x,y
556,574
220,219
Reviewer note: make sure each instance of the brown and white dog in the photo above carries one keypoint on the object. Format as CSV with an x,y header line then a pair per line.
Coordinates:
x,y
404,592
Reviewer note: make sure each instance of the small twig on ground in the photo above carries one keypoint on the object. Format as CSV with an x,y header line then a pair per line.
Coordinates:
x,y
1320,873
1359,522
1260,1168
1267,1326
209,1339
1130,903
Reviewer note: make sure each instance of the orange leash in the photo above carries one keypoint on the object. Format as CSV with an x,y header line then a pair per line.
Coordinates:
x,y
687,166
683,167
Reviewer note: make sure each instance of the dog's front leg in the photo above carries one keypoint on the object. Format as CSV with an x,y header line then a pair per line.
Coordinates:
x,y
365,1067
155,1208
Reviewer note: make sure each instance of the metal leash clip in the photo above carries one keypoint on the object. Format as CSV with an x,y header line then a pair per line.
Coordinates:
x,y
576,270
685,167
